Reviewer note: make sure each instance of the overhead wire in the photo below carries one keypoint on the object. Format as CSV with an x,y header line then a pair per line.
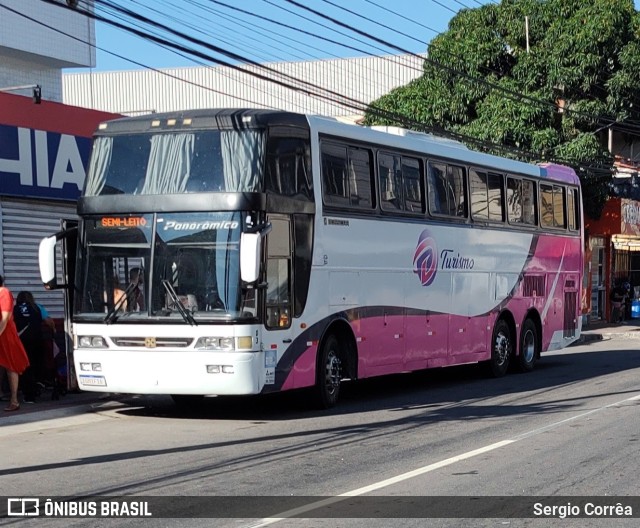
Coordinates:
x,y
511,94
356,105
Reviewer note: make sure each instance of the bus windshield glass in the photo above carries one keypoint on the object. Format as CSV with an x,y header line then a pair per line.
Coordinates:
x,y
177,162
180,266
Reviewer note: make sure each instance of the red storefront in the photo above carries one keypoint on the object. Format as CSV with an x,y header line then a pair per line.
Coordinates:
x,y
612,255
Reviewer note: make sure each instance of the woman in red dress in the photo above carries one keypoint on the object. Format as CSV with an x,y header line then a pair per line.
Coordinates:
x,y
13,357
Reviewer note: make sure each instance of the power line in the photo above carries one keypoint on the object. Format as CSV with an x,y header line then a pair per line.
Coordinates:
x,y
358,105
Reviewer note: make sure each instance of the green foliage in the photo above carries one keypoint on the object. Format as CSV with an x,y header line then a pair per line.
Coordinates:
x,y
553,102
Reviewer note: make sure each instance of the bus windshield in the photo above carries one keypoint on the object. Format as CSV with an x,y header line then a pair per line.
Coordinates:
x,y
177,162
180,266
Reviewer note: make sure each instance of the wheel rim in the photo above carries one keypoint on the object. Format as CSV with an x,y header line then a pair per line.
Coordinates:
x,y
332,374
529,346
501,348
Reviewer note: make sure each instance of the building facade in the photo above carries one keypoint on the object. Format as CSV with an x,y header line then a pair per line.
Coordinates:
x,y
44,147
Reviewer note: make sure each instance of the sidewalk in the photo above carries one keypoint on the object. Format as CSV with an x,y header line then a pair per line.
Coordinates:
x,y
598,330
47,408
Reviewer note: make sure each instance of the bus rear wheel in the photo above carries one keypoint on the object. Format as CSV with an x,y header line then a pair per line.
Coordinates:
x,y
529,346
328,374
501,349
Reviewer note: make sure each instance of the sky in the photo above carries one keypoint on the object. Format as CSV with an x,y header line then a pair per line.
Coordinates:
x,y
407,24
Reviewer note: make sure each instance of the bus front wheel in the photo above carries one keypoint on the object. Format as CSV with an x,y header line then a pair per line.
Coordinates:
x,y
501,349
529,346
328,373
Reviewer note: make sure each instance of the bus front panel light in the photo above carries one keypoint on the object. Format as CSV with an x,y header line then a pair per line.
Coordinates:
x,y
215,343
91,342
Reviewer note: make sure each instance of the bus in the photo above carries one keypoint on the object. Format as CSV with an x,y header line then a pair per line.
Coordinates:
x,y
276,251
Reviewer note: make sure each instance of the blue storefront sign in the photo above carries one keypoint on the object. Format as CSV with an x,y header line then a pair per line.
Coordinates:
x,y
42,164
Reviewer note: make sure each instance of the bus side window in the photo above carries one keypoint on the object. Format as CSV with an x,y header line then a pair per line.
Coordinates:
x,y
529,202
411,175
437,174
335,187
360,178
390,177
552,206
486,196
514,201
572,210
446,190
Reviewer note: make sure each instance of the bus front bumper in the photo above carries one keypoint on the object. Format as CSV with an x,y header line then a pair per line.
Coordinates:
x,y
167,372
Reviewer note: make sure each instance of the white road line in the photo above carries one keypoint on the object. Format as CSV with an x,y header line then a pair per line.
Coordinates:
x,y
431,467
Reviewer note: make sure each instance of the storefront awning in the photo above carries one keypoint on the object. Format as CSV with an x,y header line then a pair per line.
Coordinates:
x,y
626,242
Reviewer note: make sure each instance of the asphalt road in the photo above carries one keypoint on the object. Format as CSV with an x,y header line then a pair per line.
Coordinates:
x,y
569,429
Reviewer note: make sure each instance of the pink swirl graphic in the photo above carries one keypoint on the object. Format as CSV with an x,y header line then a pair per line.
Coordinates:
x,y
425,264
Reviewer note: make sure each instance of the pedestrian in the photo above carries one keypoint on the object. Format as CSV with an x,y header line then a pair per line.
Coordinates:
x,y
48,332
29,323
13,357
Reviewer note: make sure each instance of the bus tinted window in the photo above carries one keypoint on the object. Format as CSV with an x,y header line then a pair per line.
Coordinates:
x,y
486,196
400,183
177,162
412,185
520,201
390,175
288,167
552,206
360,178
446,190
346,176
572,209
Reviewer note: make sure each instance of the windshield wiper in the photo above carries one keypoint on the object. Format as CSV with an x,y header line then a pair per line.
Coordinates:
x,y
113,313
186,315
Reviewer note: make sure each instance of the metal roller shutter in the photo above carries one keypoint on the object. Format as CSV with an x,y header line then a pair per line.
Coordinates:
x,y
24,224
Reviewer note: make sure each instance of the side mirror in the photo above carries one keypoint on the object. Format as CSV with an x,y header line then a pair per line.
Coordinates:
x,y
47,258
47,262
250,253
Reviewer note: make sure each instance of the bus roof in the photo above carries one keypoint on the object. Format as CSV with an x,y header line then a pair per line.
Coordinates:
x,y
394,137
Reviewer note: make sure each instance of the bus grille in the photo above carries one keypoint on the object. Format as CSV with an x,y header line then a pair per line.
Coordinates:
x,y
160,342
570,318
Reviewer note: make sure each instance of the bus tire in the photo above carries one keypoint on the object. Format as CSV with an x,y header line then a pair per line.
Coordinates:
x,y
529,346
328,373
187,401
501,349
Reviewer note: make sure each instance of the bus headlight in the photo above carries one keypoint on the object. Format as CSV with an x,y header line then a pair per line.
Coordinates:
x,y
91,342
224,343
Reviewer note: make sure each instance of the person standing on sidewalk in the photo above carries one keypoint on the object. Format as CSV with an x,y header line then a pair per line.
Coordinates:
x,y
13,357
28,319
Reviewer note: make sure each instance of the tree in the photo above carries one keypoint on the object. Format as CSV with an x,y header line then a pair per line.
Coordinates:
x,y
553,102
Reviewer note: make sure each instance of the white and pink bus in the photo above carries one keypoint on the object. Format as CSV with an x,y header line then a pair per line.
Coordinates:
x,y
231,252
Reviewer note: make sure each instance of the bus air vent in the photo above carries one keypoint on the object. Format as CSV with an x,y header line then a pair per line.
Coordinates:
x,y
161,342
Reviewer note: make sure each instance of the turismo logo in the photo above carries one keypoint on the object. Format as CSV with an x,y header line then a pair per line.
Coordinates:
x,y
425,263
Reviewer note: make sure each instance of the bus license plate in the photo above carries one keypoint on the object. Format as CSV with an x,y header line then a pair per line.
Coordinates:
x,y
93,380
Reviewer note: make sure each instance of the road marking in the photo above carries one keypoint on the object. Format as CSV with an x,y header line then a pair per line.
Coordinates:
x,y
296,512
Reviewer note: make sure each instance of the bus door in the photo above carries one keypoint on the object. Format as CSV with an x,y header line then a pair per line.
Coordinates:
x,y
280,331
